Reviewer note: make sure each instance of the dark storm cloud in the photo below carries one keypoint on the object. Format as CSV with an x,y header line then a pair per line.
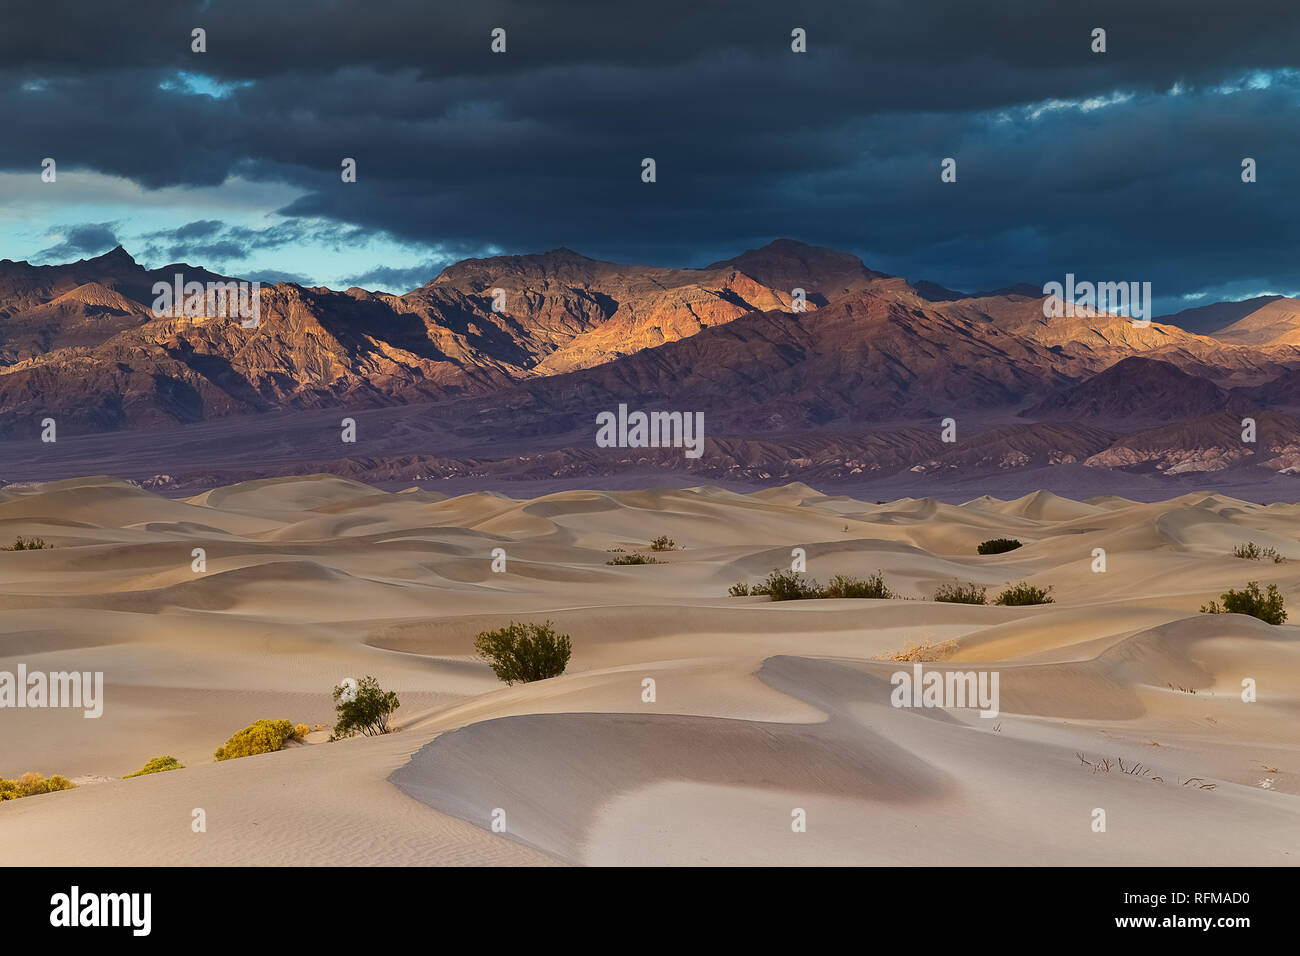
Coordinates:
x,y
82,240
542,146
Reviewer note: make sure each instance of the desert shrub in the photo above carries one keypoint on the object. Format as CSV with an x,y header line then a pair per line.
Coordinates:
x,y
320,726
1023,593
522,653
787,586
28,544
32,784
846,586
259,737
961,593
1250,600
663,543
57,782
925,652
300,732
367,713
157,765
633,559
1253,552
793,586
998,546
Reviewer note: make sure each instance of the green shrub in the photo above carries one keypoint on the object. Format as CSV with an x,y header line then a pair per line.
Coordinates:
x,y
998,546
259,737
787,586
28,544
33,784
845,586
663,543
1253,552
961,593
793,586
633,559
367,713
1021,594
522,653
157,765
1250,600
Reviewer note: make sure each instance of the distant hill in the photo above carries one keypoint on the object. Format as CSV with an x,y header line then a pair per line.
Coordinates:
x,y
524,350
1208,319
1134,388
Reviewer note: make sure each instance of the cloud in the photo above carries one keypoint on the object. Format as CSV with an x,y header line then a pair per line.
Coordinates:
x,y
199,229
396,280
80,241
272,276
402,279
1119,165
212,242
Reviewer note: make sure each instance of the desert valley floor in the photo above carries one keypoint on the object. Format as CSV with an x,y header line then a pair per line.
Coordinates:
x,y
760,707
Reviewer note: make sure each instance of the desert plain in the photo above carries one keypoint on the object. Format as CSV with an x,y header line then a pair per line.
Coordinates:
x,y
1120,696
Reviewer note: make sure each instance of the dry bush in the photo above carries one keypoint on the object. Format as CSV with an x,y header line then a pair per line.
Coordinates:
x,y
924,653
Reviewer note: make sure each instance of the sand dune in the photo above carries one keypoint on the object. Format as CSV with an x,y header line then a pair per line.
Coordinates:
x,y
761,708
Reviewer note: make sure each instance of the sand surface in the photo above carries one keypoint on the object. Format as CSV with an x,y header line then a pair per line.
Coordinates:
x,y
760,709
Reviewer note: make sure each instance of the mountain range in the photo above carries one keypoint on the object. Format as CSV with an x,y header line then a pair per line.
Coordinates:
x,y
511,358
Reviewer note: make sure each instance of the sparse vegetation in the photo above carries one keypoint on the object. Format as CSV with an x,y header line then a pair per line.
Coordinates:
x,y
33,784
788,586
522,653
367,713
955,593
998,546
259,737
1250,600
28,544
633,559
1253,552
923,653
157,765
793,586
663,543
1133,769
846,586
1019,595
